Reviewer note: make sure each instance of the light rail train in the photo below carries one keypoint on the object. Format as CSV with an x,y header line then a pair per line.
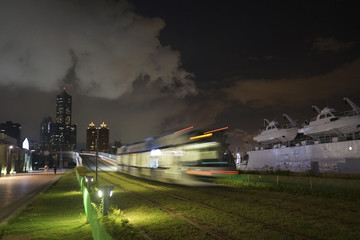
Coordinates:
x,y
186,156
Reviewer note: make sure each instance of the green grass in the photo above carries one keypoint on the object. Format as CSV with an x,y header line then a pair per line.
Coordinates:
x,y
314,215
57,213
338,188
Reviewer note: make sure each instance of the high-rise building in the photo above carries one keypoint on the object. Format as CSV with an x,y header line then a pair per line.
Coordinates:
x,y
63,109
12,129
103,138
49,134
59,135
100,135
67,132
45,130
91,137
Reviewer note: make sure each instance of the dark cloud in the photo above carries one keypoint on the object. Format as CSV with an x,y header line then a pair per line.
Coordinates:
x,y
331,45
109,58
260,93
133,66
71,78
110,47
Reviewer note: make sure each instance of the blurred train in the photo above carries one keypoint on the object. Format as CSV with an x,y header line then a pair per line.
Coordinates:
x,y
186,156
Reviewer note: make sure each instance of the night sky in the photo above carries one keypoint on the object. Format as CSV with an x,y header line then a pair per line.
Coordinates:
x,y
146,67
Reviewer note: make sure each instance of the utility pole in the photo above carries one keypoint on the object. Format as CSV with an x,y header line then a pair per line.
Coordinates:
x,y
97,154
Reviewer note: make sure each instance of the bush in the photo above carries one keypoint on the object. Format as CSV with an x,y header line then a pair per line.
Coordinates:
x,y
118,227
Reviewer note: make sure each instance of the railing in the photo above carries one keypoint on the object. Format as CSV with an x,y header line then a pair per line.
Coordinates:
x,y
349,113
283,126
97,228
309,141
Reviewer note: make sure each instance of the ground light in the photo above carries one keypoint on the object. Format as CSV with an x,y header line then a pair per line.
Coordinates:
x,y
89,180
105,192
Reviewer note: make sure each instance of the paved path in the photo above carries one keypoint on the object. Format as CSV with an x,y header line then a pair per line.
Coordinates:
x,y
18,190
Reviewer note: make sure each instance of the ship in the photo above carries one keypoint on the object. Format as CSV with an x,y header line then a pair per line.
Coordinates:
x,y
273,132
328,143
329,122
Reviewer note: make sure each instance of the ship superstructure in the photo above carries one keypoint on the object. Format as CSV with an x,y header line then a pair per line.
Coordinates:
x,y
330,142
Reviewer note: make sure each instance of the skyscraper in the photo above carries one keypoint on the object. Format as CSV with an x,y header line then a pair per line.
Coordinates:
x,y
59,135
67,132
100,135
103,138
63,109
91,136
49,134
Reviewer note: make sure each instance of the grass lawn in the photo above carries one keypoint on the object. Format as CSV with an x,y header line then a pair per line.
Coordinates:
x,y
57,213
317,216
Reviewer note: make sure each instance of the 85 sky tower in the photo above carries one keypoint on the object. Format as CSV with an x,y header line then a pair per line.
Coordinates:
x,y
67,132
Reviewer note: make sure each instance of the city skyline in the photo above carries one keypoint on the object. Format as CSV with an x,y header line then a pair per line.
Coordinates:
x,y
52,133
148,67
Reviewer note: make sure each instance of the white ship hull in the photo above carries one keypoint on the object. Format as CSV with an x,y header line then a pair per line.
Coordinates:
x,y
334,157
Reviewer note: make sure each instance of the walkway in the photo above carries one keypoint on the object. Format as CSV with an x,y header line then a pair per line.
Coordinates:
x,y
16,191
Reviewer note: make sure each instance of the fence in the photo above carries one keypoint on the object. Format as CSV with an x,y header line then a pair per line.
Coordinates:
x,y
98,230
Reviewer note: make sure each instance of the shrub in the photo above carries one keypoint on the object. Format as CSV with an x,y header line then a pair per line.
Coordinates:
x,y
119,227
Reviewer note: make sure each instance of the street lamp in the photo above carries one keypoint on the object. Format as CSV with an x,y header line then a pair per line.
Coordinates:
x,y
9,160
97,153
104,193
